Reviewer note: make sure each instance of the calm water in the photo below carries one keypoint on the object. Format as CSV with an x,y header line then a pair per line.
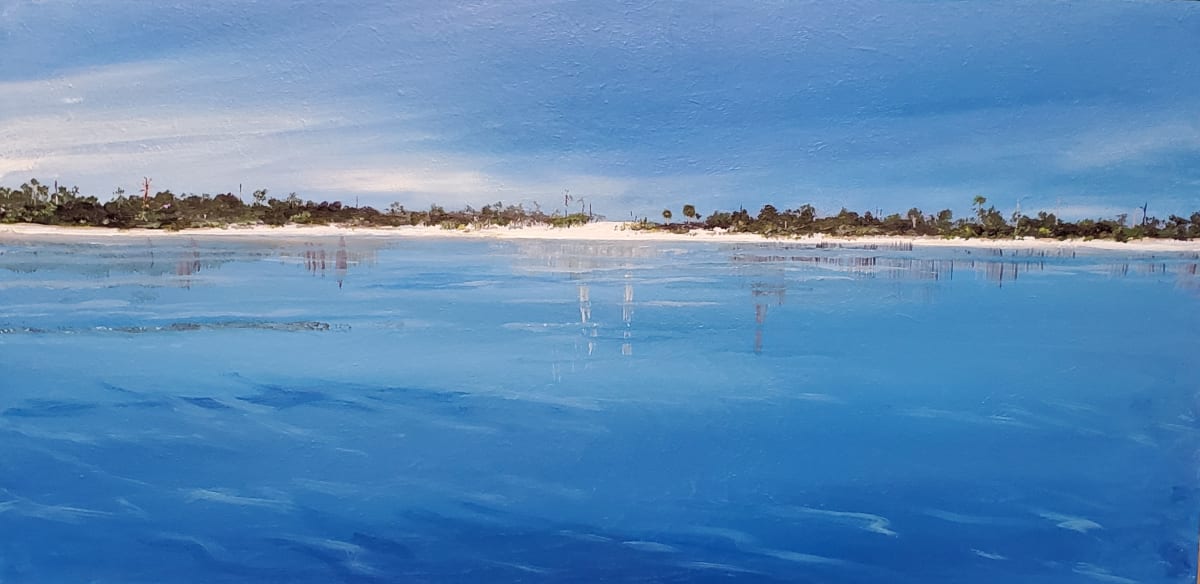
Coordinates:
x,y
449,411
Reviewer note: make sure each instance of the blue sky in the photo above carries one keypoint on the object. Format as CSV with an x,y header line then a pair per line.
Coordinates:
x,y
1089,107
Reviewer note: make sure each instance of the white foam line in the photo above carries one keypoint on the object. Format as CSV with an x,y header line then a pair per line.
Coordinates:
x,y
650,546
1101,574
866,521
799,557
224,497
716,567
1070,522
964,519
988,555
61,513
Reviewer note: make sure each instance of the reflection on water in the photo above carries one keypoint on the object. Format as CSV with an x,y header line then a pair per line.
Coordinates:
x,y
592,264
1188,280
177,327
765,295
317,260
179,262
314,259
768,269
627,319
189,264
101,262
320,258
589,329
536,256
341,262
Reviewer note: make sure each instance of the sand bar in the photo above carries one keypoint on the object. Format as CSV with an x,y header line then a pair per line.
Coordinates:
x,y
599,231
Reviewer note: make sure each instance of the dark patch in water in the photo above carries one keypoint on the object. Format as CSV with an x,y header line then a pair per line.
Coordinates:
x,y
1182,494
49,409
415,394
244,325
144,404
278,396
281,398
207,403
119,389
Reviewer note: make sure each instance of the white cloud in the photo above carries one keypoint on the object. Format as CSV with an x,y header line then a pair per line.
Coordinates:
x,y
125,82
15,167
415,179
108,126
1124,142
121,131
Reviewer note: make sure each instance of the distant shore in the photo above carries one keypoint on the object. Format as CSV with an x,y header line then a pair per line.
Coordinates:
x,y
599,231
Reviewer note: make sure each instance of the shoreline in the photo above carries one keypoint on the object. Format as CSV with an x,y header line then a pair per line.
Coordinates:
x,y
600,231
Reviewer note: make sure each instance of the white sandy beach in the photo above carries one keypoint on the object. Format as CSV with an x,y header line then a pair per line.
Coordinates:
x,y
600,231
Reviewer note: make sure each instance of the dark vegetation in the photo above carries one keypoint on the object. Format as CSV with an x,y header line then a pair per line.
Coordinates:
x,y
34,202
986,222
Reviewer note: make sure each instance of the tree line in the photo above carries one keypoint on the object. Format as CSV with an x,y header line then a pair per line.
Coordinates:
x,y
35,202
984,222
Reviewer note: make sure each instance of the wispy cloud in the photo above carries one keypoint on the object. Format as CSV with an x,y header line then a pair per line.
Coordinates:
x,y
14,166
435,176
1124,143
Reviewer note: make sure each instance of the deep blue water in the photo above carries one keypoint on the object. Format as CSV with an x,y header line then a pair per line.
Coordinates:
x,y
452,411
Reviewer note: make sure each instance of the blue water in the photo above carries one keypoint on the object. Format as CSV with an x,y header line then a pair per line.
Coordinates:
x,y
177,410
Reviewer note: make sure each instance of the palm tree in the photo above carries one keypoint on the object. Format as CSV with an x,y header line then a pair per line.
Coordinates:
x,y
667,215
978,203
689,211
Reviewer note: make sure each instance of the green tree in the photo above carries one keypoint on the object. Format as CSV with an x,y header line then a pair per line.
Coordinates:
x,y
915,216
689,211
978,202
667,215
719,220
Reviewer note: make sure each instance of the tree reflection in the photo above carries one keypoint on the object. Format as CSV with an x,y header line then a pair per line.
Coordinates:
x,y
188,265
627,318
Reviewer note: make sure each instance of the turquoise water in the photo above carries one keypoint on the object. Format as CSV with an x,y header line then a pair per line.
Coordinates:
x,y
470,411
